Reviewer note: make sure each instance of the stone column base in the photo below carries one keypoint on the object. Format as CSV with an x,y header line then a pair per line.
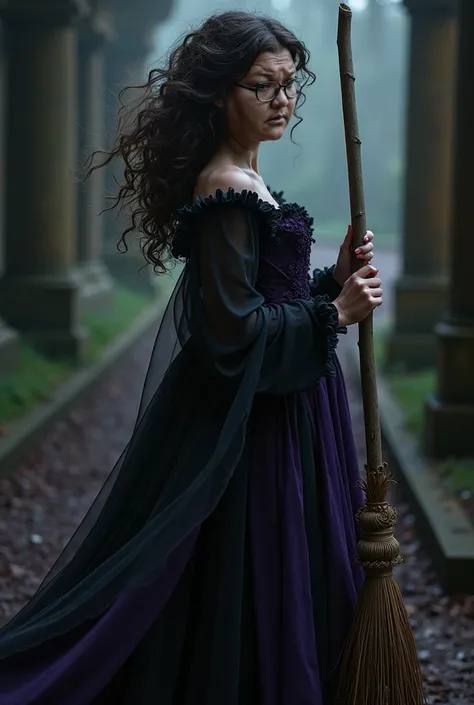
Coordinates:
x,y
47,310
419,303
96,286
449,419
8,349
449,429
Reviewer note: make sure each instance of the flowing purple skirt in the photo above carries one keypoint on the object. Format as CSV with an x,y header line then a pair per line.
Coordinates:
x,y
300,496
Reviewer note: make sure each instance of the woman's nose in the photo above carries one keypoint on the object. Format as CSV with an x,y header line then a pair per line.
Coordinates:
x,y
280,98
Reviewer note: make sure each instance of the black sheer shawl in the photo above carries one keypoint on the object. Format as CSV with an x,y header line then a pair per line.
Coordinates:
x,y
218,345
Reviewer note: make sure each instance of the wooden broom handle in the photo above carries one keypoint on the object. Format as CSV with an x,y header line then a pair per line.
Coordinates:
x,y
359,228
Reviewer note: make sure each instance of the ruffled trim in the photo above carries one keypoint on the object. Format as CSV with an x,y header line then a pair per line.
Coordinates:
x,y
323,281
186,215
292,209
328,316
272,217
296,209
278,196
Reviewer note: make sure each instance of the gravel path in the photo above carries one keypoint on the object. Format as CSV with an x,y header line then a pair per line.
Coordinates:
x,y
42,503
47,497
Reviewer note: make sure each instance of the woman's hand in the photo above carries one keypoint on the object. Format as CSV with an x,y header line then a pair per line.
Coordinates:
x,y
359,296
365,253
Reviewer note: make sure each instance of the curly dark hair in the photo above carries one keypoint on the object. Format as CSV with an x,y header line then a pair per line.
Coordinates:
x,y
177,127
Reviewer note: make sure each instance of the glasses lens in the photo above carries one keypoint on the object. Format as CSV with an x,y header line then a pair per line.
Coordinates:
x,y
292,89
267,91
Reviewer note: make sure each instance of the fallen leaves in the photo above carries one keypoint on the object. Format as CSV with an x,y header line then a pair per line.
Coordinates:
x,y
42,503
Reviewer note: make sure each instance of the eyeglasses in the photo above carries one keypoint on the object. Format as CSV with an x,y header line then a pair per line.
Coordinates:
x,y
267,92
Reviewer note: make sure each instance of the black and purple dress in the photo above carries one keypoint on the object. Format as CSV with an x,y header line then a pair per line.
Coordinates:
x,y
217,566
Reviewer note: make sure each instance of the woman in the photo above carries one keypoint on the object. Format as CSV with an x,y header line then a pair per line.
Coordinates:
x,y
217,564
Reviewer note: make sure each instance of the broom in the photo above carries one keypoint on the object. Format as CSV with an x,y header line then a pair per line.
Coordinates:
x,y
380,663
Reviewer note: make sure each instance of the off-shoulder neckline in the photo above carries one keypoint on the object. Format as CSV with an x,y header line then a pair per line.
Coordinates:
x,y
247,198
186,215
243,195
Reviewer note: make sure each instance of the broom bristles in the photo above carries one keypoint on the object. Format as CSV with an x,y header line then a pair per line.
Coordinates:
x,y
380,664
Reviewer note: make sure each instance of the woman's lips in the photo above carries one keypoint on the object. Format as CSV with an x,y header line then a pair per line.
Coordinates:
x,y
277,120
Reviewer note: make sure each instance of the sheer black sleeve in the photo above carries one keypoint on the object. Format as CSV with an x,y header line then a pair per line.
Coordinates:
x,y
219,344
299,337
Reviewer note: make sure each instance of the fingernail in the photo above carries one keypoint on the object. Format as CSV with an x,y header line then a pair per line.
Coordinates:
x,y
357,251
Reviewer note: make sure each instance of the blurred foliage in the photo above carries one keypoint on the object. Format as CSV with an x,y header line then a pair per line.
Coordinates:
x,y
104,326
35,378
410,389
458,476
313,171
37,375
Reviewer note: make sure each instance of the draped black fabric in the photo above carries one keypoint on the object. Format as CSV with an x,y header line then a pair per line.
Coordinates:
x,y
219,345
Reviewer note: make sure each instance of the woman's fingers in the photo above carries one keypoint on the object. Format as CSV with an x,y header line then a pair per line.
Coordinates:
x,y
366,272
368,282
366,252
367,258
367,247
373,282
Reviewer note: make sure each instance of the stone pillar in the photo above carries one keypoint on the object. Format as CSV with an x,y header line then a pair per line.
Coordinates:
x,y
125,67
96,282
8,337
450,412
420,295
39,293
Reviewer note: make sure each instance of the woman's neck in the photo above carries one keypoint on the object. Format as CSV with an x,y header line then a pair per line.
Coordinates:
x,y
242,155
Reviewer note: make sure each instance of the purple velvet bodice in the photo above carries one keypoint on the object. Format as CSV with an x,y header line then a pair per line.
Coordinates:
x,y
285,257
285,238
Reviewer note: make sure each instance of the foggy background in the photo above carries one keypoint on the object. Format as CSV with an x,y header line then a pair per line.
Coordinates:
x,y
312,172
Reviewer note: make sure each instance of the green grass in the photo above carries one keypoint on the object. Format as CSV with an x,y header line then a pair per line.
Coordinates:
x,y
107,325
458,476
37,375
410,390
35,378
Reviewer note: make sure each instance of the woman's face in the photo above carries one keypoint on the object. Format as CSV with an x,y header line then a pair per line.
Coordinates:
x,y
250,121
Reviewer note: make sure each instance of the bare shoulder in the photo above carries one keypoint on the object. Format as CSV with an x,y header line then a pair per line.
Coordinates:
x,y
223,178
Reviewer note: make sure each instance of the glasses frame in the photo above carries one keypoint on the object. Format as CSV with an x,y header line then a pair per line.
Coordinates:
x,y
278,88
